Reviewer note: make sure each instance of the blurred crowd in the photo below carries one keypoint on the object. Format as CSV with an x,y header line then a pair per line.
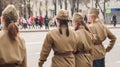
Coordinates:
x,y
36,22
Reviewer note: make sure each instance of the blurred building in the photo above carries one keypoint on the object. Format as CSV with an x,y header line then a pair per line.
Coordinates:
x,y
113,8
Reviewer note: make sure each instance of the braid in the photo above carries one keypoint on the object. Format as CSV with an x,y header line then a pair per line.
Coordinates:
x,y
77,27
67,30
63,22
60,29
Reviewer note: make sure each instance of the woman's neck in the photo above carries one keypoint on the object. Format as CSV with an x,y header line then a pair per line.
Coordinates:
x,y
63,26
81,27
4,28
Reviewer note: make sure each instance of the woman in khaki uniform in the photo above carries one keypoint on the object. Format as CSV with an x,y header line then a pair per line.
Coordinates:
x,y
84,53
12,46
63,42
101,33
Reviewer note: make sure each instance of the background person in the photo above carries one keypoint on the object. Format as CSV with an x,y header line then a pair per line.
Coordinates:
x,y
46,22
114,20
12,46
85,19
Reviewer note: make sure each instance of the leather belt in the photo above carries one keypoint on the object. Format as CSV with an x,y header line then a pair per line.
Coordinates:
x,y
9,65
63,54
82,52
98,43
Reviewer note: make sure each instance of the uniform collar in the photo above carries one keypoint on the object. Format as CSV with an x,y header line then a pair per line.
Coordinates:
x,y
81,27
4,29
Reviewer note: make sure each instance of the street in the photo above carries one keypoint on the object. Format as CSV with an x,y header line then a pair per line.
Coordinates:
x,y
34,42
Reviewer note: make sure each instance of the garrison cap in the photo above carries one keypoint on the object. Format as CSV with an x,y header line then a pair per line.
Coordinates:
x,y
62,14
93,11
11,12
77,17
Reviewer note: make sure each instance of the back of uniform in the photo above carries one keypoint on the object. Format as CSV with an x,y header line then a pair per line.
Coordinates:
x,y
12,46
84,49
84,54
101,33
12,53
62,46
63,42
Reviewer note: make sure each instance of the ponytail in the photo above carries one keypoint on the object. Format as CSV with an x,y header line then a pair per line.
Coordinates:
x,y
82,23
12,31
76,28
86,27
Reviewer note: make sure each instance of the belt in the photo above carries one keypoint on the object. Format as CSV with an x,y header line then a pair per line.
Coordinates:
x,y
82,52
9,65
98,43
63,54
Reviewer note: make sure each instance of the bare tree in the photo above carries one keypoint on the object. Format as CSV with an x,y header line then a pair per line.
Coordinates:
x,y
75,4
1,7
65,2
4,3
117,0
40,12
72,3
84,2
104,10
28,8
96,3
77,7
46,7
60,2
55,5
20,8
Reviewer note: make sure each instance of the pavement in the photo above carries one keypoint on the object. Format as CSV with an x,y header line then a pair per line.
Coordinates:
x,y
34,42
112,27
44,30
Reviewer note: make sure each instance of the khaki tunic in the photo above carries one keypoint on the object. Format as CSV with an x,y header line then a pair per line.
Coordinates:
x,y
12,52
84,44
60,44
101,32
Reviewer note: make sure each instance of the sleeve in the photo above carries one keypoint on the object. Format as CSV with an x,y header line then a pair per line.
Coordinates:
x,y
76,37
91,43
24,63
46,48
112,38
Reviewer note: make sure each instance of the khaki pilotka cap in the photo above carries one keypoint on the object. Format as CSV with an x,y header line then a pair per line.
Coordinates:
x,y
62,14
11,12
77,17
93,11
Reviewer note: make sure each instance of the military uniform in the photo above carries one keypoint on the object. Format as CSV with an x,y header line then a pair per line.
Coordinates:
x,y
12,50
84,57
12,54
101,33
63,46
84,51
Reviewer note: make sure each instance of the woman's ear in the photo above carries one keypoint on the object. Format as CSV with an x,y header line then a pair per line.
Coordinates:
x,y
57,22
74,23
